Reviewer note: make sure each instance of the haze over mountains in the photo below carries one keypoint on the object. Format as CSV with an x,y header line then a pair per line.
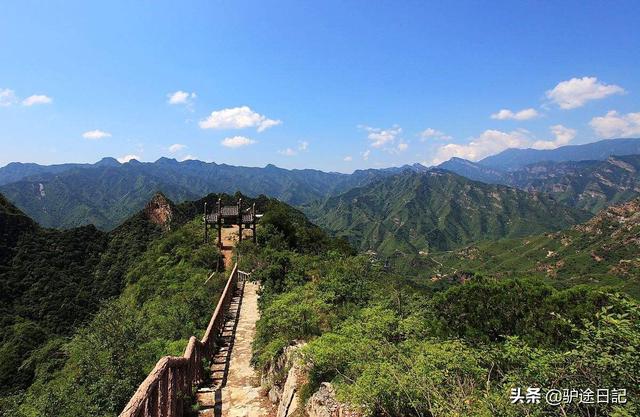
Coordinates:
x,y
107,192
512,159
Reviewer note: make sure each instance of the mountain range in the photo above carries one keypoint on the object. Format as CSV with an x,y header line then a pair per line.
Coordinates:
x,y
513,158
106,193
590,185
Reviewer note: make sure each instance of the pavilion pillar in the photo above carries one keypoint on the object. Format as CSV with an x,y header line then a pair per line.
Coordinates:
x,y
219,210
205,223
253,222
240,220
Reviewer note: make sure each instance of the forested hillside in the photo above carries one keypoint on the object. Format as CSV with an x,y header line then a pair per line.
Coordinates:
x,y
587,185
392,345
52,281
437,210
87,314
604,251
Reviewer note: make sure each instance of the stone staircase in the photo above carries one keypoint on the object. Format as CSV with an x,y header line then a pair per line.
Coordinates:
x,y
209,395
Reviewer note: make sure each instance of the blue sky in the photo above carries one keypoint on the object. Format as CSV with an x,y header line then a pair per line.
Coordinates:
x,y
334,85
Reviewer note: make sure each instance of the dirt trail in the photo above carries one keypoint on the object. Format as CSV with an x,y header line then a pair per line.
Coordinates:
x,y
229,240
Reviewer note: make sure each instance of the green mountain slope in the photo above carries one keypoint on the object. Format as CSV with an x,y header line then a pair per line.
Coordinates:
x,y
107,193
13,224
603,251
103,196
52,281
437,210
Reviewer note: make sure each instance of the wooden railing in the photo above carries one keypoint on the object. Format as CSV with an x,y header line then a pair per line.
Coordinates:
x,y
163,392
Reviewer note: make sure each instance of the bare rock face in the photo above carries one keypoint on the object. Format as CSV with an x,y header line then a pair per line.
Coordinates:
x,y
284,378
323,403
290,400
275,375
159,211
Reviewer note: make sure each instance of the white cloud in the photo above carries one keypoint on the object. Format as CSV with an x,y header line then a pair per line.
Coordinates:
x,y
96,134
578,91
380,137
288,152
127,158
614,125
365,154
563,135
237,118
348,158
237,142
36,99
506,114
403,146
433,133
7,97
267,123
303,145
488,143
187,158
176,147
181,97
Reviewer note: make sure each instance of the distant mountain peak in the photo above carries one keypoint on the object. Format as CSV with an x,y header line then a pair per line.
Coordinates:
x,y
108,161
165,160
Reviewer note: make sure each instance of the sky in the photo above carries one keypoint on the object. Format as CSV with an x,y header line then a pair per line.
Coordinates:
x,y
331,85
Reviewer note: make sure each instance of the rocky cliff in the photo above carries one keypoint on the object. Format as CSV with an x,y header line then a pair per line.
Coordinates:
x,y
160,210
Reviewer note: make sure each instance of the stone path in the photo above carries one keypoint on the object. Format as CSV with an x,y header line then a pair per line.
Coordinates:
x,y
235,387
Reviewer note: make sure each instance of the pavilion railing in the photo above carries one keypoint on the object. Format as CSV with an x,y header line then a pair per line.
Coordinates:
x,y
163,392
